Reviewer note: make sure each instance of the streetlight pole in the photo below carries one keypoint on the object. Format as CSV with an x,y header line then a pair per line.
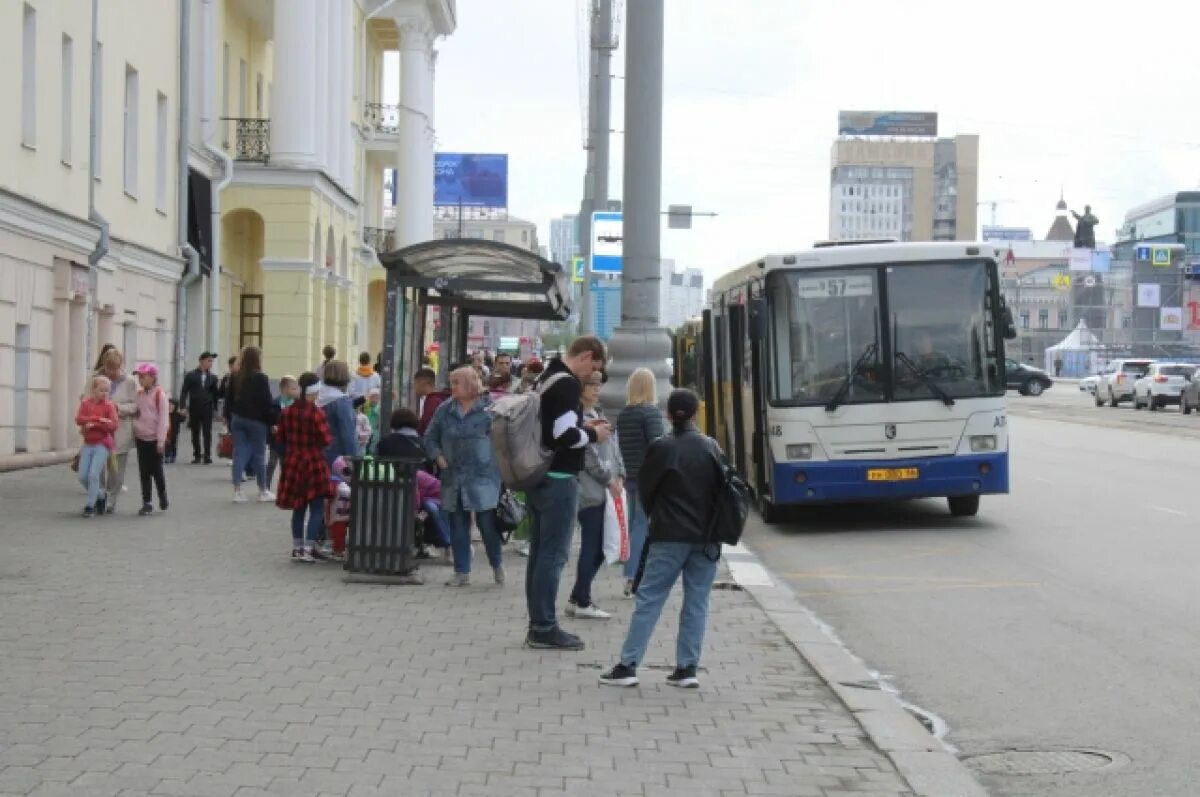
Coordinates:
x,y
595,182
640,340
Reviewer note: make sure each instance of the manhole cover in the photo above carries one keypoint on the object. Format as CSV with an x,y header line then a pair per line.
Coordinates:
x,y
1039,762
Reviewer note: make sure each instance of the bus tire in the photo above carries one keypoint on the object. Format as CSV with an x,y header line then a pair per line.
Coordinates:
x,y
767,510
963,505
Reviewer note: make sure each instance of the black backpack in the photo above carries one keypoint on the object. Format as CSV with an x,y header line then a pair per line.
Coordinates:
x,y
731,507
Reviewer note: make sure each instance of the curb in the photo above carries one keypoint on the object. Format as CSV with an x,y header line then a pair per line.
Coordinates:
x,y
921,759
40,459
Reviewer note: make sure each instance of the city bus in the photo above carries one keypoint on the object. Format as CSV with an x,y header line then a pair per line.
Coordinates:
x,y
859,372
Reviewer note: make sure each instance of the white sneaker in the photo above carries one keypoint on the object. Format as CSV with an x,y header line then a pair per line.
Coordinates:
x,y
239,497
266,496
592,612
522,548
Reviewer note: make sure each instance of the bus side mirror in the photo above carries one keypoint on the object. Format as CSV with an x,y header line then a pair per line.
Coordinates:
x,y
1006,319
757,312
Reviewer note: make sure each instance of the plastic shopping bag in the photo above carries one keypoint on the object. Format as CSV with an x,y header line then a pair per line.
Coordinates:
x,y
616,529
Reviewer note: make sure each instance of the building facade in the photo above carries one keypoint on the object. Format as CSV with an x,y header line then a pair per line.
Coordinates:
x,y
564,239
906,189
682,294
64,291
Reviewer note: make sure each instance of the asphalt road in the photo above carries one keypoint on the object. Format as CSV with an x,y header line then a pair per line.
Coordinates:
x,y
1063,617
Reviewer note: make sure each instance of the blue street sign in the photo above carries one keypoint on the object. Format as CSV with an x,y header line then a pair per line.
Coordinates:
x,y
1143,254
607,242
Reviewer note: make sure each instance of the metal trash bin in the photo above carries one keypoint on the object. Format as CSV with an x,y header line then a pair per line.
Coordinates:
x,y
381,534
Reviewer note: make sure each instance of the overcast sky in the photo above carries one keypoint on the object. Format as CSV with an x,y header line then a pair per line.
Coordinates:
x,y
1100,101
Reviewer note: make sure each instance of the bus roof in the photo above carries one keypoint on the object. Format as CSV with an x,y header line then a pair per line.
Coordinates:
x,y
857,255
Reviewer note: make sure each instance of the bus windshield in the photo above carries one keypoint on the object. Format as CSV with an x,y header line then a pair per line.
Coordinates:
x,y
829,330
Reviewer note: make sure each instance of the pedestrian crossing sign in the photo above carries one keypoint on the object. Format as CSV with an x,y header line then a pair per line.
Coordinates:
x,y
1160,256
577,269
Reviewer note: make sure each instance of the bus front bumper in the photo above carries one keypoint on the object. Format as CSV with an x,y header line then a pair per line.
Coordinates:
x,y
894,479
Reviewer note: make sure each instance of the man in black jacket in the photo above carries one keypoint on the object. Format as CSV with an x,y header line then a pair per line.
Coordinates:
x,y
677,485
198,401
552,502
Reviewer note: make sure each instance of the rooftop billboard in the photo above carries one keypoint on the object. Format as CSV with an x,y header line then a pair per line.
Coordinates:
x,y
470,179
887,123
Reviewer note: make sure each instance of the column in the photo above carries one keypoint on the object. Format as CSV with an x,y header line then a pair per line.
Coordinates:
x,y
414,210
293,100
336,110
320,84
431,137
347,83
640,340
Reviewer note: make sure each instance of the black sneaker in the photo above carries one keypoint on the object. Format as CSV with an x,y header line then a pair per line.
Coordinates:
x,y
317,556
89,511
147,508
556,639
208,460
101,503
163,503
620,676
684,678
196,460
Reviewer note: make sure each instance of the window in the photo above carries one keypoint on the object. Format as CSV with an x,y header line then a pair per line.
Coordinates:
x,y
130,338
1024,319
68,79
1043,319
131,130
498,235
21,390
243,88
1062,319
258,96
29,78
160,154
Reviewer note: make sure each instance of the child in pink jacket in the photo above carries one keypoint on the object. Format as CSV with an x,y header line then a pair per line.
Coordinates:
x,y
150,429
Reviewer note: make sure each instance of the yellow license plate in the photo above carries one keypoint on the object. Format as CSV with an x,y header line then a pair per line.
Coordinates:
x,y
893,474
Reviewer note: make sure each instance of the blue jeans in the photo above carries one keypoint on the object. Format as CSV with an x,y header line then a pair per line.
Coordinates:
x,y
92,460
591,553
639,525
434,510
460,538
249,451
316,514
664,564
551,507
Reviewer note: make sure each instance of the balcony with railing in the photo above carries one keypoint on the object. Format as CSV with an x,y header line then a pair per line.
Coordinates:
x,y
379,238
383,118
251,140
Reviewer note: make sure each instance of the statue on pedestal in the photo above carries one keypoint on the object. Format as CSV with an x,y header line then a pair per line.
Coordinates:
x,y
1085,228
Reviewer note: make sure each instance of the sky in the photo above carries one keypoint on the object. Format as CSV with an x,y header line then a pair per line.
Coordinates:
x,y
1096,101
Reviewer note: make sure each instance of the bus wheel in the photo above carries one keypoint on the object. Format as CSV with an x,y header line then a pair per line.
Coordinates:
x,y
964,505
767,510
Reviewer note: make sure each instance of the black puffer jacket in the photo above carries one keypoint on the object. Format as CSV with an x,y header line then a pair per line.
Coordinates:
x,y
678,485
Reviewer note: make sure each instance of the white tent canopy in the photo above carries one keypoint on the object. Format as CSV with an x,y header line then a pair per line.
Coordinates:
x,y
1080,339
1078,354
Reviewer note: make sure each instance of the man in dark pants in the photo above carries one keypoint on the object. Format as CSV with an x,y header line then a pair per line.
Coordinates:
x,y
198,401
552,502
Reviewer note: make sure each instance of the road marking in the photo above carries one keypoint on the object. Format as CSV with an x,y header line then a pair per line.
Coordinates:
x,y
920,588
1169,511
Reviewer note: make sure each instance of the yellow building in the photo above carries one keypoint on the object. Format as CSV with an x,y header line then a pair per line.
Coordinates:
x,y
63,290
292,144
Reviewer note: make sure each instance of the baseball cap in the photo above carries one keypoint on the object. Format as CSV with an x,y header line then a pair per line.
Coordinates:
x,y
146,369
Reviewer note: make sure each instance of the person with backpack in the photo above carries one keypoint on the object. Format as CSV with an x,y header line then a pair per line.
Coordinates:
x,y
552,488
679,483
150,429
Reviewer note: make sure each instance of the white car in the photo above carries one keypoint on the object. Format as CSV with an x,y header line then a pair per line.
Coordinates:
x,y
1116,381
1162,385
1088,383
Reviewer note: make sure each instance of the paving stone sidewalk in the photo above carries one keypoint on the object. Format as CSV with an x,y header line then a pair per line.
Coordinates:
x,y
182,654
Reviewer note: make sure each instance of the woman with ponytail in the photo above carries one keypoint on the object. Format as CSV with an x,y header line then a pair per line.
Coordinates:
x,y
677,486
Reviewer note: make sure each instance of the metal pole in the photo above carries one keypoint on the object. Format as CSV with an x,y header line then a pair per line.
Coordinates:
x,y
595,181
641,341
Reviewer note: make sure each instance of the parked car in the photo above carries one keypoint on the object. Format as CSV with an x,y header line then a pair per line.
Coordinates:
x,y
1116,380
1088,383
1189,397
1163,384
1026,379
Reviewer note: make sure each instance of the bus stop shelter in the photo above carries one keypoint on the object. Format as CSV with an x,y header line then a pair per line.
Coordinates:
x,y
463,277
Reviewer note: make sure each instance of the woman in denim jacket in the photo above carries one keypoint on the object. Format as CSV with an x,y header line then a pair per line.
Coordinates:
x,y
459,438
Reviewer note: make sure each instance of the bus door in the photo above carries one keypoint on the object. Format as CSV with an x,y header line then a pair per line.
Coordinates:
x,y
739,376
704,358
761,447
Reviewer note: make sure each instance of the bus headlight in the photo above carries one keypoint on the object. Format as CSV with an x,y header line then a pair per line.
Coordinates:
x,y
799,451
983,442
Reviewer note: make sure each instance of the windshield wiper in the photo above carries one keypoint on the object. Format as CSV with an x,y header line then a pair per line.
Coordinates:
x,y
925,378
843,389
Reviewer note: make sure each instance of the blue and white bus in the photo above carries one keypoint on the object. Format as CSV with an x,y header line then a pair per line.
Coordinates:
x,y
862,372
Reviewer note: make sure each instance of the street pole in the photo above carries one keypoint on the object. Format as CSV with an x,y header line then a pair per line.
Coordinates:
x,y
640,341
595,181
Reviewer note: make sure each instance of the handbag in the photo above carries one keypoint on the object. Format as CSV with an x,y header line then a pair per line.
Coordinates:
x,y
75,462
510,511
225,446
616,529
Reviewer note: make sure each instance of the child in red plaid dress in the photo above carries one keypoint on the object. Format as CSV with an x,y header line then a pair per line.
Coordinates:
x,y
304,483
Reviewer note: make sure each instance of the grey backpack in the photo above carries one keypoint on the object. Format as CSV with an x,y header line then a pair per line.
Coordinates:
x,y
517,437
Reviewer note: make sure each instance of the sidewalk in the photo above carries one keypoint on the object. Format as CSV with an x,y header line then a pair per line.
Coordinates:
x,y
183,654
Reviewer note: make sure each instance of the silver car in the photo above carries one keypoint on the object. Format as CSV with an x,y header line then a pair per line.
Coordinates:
x,y
1116,380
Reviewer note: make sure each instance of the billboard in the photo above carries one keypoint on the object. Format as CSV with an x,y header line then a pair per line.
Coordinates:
x,y
887,123
470,180
996,233
607,242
